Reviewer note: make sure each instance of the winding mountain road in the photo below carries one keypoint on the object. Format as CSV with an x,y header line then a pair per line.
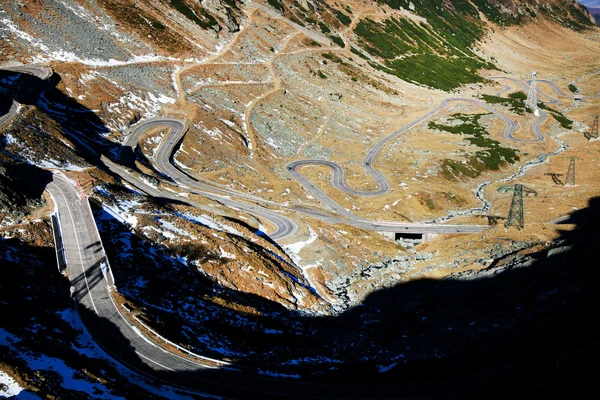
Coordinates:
x,y
525,87
167,147
338,176
40,72
554,87
284,226
91,286
92,282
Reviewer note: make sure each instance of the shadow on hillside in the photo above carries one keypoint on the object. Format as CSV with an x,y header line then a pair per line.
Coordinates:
x,y
132,252
78,123
522,329
527,329
28,284
21,185
5,103
81,125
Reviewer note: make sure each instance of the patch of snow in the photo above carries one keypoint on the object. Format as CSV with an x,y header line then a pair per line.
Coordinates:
x,y
225,254
8,385
180,165
123,217
172,228
278,375
295,248
10,139
210,223
44,362
385,368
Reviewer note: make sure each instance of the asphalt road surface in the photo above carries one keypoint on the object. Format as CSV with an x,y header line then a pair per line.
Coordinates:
x,y
284,226
338,177
91,282
40,72
525,87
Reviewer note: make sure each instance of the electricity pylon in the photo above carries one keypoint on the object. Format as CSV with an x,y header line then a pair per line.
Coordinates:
x,y
532,100
570,181
516,214
593,133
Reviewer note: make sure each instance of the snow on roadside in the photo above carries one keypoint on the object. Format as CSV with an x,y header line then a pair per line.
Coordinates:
x,y
120,215
386,368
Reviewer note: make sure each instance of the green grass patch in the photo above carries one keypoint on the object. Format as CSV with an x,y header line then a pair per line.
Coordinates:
x,y
520,96
558,116
492,156
276,4
337,40
358,53
334,58
436,54
321,75
434,71
324,28
343,18
515,101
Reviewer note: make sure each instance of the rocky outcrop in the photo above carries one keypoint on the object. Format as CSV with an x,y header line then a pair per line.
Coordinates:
x,y
222,13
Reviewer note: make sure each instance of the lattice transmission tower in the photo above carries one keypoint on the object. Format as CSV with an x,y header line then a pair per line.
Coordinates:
x,y
532,100
570,181
593,133
516,214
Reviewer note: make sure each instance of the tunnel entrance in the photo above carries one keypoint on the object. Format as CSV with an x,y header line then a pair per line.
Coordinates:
x,y
412,236
408,237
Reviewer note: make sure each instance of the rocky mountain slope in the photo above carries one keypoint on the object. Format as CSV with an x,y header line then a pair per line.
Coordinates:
x,y
261,84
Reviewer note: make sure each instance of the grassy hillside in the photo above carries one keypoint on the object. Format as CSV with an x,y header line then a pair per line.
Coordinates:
x,y
436,46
